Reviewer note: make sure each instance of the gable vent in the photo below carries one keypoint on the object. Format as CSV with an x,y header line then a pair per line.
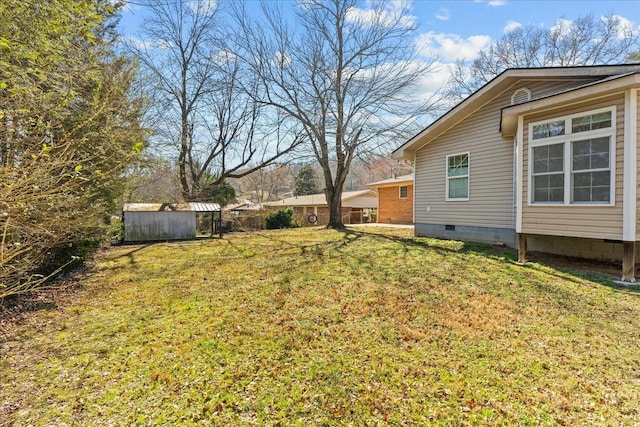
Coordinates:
x,y
520,96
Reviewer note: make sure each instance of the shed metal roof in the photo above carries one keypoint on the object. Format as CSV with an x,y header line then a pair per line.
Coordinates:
x,y
204,207
172,207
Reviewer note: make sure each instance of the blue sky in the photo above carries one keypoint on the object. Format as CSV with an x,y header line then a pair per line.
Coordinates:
x,y
459,29
460,20
465,25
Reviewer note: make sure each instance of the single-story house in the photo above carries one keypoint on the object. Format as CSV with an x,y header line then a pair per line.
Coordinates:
x,y
245,214
538,158
165,221
357,207
395,199
240,207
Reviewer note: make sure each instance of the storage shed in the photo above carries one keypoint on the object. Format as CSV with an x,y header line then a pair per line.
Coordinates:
x,y
164,221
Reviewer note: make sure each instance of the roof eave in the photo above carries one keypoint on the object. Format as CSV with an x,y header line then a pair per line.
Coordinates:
x,y
359,193
509,121
499,83
391,183
407,150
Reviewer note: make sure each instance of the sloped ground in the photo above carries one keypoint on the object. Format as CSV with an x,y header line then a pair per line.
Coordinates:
x,y
365,327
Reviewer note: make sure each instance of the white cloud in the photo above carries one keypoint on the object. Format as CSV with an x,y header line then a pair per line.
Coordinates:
x,y
226,57
282,60
563,27
443,14
427,86
434,80
511,25
397,10
142,44
626,28
451,47
203,7
410,67
492,3
139,43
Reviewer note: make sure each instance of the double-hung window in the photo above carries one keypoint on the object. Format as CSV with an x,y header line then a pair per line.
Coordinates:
x,y
571,159
404,192
548,173
458,177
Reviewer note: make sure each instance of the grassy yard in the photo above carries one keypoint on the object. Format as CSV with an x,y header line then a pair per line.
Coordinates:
x,y
319,327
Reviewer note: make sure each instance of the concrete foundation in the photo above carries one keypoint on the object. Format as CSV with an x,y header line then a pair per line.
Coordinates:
x,y
503,236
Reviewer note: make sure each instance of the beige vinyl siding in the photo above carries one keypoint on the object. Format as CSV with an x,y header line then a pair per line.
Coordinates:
x,y
597,222
490,201
638,168
491,174
543,88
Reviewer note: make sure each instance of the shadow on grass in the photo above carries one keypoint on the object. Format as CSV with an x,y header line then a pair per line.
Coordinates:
x,y
25,303
317,248
442,247
598,272
504,254
559,267
131,253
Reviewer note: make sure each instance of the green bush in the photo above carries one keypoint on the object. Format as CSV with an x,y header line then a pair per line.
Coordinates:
x,y
282,218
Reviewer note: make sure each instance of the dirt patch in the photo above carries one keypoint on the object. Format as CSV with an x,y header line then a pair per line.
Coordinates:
x,y
15,308
611,270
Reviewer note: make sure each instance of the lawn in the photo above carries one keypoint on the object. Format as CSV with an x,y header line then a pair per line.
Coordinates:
x,y
320,327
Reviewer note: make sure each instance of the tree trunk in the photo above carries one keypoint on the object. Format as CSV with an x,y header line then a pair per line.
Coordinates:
x,y
334,200
182,159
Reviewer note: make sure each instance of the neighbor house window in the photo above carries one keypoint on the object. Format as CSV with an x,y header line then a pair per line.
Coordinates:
x,y
458,177
572,159
404,191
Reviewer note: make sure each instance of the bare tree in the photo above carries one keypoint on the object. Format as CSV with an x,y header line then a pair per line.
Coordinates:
x,y
200,109
344,75
267,183
153,179
584,41
375,169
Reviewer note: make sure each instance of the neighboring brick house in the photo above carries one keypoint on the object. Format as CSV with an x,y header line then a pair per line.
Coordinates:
x,y
395,200
357,207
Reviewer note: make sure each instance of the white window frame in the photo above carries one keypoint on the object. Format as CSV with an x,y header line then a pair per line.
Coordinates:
x,y
447,177
400,196
560,173
567,140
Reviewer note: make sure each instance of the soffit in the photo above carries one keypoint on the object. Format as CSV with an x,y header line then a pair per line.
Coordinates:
x,y
509,121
